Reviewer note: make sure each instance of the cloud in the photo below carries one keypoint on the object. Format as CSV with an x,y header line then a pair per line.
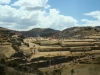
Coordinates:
x,y
5,1
27,14
32,4
16,17
57,21
94,14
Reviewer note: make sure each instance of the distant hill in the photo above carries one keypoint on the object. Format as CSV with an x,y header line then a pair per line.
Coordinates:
x,y
43,32
69,32
1,28
78,31
11,31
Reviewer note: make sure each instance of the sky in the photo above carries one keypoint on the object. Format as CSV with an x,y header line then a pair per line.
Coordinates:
x,y
23,15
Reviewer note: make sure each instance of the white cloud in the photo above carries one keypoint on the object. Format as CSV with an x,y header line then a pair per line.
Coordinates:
x,y
5,1
57,21
21,18
32,4
94,14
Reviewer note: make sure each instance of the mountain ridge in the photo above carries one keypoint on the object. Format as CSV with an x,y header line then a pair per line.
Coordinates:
x,y
43,32
48,32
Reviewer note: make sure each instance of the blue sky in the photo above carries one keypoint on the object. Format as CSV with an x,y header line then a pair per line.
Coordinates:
x,y
75,8
55,14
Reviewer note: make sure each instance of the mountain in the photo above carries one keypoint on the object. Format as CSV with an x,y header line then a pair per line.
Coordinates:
x,y
1,28
43,32
69,32
78,31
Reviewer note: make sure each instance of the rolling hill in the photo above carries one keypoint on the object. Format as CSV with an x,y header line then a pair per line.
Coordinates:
x,y
68,32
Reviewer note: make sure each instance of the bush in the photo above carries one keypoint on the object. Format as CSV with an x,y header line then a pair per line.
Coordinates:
x,y
27,44
11,71
2,61
12,64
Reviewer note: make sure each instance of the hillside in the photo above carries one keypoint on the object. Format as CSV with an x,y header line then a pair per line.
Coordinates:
x,y
1,28
75,32
38,56
78,32
9,30
43,32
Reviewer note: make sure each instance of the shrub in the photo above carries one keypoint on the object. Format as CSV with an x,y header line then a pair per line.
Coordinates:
x,y
12,64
